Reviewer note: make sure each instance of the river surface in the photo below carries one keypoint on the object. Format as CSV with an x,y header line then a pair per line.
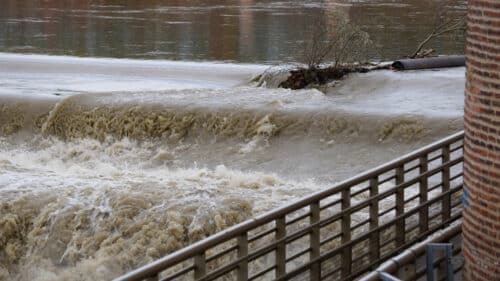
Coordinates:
x,y
257,31
136,129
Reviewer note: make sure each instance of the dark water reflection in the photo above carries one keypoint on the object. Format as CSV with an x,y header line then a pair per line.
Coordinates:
x,y
230,30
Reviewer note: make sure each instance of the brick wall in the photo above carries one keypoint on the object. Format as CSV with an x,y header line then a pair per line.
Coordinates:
x,y
481,228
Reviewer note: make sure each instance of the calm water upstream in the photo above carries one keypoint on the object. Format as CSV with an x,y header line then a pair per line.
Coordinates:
x,y
260,31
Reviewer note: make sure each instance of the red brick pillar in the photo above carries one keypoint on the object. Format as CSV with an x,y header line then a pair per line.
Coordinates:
x,y
481,227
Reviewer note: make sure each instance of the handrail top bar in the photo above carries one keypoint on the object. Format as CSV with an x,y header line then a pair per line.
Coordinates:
x,y
174,258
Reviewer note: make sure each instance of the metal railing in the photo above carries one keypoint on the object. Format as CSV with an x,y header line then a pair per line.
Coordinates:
x,y
336,234
411,264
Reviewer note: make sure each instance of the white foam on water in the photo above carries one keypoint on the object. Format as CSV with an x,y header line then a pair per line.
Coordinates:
x,y
75,207
95,184
49,75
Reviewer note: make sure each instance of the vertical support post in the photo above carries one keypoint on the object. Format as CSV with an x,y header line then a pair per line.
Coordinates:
x,y
200,266
429,260
400,206
243,253
375,236
445,179
314,237
423,195
346,259
280,247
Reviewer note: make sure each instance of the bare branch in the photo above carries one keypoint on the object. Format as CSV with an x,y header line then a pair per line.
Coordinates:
x,y
444,23
339,42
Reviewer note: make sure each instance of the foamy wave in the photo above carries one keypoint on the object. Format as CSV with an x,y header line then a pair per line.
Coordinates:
x,y
104,207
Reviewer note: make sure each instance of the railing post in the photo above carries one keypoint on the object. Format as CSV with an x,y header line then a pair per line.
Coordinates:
x,y
200,267
429,261
375,236
314,237
423,192
346,259
280,247
243,253
445,179
400,206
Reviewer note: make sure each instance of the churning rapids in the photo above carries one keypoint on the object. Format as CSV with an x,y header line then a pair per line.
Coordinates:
x,y
100,174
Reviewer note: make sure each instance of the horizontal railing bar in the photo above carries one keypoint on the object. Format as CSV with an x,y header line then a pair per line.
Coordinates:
x,y
377,197
234,231
301,217
222,270
434,187
179,273
358,192
412,168
411,198
459,202
428,203
371,265
233,265
387,193
435,158
337,251
298,270
263,251
413,227
437,214
387,242
386,211
461,174
386,180
361,223
430,173
331,272
228,268
262,272
457,148
222,253
262,234
299,234
330,239
354,260
389,224
301,253
333,203
322,258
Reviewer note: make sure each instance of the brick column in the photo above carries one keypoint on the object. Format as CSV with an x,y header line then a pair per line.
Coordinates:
x,y
481,227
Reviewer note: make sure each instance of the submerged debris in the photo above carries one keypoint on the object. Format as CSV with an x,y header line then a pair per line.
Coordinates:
x,y
310,77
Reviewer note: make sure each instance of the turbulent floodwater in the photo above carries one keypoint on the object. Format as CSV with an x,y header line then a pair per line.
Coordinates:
x,y
108,164
94,184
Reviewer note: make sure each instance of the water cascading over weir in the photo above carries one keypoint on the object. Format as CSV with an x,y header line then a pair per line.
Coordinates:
x,y
346,232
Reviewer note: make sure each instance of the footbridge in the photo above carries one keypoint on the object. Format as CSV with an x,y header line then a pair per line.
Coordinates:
x,y
377,221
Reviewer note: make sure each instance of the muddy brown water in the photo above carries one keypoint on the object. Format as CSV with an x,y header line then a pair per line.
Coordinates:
x,y
259,31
